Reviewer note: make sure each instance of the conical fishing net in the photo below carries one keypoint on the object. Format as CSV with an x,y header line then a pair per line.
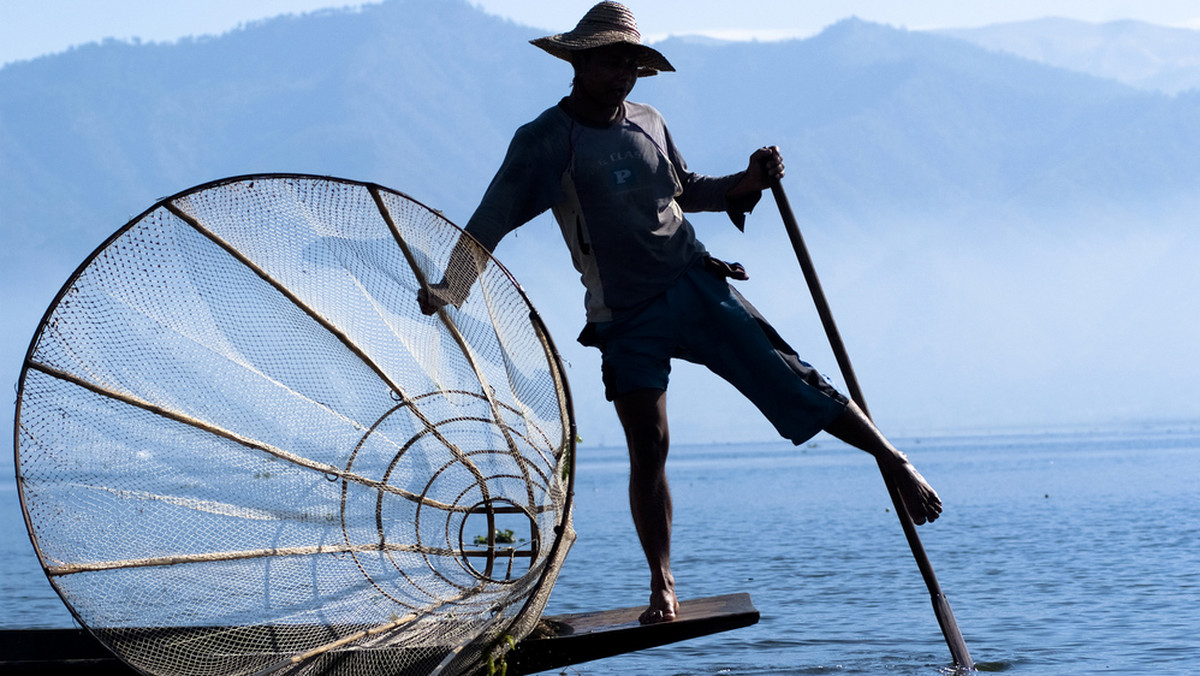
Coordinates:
x,y
241,448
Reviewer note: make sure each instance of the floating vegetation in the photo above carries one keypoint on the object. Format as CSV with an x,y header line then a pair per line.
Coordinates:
x,y
502,537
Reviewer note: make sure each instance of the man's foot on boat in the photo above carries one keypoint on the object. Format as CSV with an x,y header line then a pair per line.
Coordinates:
x,y
664,607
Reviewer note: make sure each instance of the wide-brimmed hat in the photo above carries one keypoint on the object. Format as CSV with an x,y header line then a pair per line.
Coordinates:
x,y
608,23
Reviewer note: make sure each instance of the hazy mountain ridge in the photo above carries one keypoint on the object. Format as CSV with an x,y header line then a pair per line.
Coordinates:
x,y
887,124
918,162
1138,54
876,119
321,93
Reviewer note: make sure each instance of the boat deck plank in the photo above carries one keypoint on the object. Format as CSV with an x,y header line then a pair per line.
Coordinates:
x,y
596,635
580,637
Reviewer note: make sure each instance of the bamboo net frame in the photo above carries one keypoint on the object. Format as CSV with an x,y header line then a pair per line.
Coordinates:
x,y
242,449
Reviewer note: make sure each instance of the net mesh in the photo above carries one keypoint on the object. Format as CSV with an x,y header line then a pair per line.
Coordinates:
x,y
241,448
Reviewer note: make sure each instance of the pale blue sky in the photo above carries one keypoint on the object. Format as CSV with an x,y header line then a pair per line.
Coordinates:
x,y
30,28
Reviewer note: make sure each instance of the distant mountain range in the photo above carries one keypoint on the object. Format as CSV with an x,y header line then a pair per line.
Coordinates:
x,y
1135,53
937,173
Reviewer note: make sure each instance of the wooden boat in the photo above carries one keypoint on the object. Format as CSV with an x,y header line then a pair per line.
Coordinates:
x,y
561,641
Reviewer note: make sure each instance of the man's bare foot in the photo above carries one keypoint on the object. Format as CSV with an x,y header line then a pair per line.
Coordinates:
x,y
921,500
664,607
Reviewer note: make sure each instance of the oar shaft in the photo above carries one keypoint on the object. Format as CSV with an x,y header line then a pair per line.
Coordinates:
x,y
941,607
818,296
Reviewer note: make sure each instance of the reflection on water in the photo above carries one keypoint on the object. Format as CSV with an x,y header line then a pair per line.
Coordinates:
x,y
1063,553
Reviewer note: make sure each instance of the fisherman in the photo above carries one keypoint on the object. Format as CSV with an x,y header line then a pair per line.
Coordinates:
x,y
618,187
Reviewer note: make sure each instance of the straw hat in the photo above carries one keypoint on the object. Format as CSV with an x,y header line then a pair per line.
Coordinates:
x,y
607,23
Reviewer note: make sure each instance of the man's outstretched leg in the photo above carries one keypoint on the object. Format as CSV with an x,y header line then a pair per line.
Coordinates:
x,y
854,428
643,414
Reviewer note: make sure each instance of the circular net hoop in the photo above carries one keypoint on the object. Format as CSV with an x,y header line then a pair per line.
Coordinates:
x,y
241,448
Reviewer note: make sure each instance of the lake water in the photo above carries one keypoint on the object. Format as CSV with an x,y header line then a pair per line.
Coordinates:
x,y
1063,552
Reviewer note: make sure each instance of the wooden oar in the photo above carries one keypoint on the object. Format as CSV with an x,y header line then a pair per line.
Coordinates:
x,y
941,607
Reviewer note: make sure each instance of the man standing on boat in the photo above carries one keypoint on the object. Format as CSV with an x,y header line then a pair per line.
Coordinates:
x,y
618,187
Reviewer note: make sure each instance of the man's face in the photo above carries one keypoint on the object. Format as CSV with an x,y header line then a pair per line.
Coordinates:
x,y
607,74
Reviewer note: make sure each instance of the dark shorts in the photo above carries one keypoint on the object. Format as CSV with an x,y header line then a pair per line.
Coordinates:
x,y
702,319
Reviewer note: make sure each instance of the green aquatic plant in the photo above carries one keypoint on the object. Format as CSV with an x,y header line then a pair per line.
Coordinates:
x,y
504,537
